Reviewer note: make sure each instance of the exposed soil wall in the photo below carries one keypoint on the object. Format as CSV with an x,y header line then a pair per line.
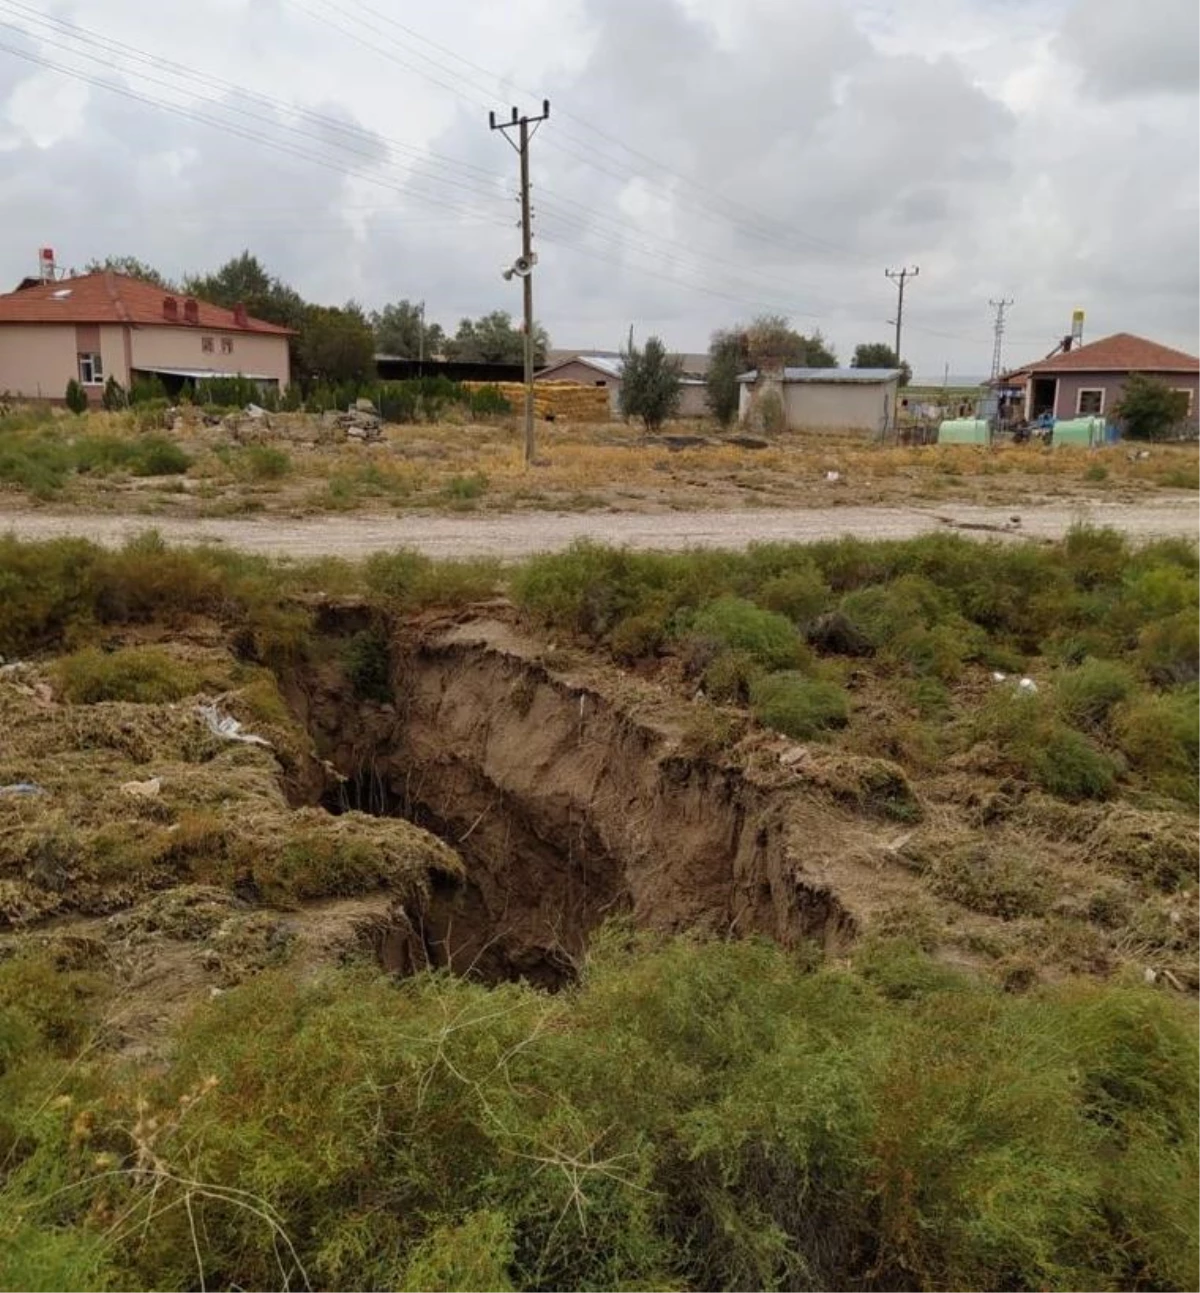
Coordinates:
x,y
567,806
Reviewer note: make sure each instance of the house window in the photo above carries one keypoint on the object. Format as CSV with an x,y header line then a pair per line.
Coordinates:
x,y
91,371
206,344
1089,402
227,345
1185,390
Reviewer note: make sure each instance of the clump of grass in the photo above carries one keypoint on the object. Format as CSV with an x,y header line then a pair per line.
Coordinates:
x,y
465,489
367,661
797,706
1160,736
145,675
994,880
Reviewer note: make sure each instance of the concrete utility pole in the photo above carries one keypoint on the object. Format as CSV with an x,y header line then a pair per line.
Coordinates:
x,y
899,276
523,266
998,332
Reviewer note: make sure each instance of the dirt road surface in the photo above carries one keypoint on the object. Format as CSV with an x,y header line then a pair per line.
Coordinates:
x,y
516,536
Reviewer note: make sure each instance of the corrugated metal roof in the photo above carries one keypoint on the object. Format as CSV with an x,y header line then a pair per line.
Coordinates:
x,y
201,374
839,376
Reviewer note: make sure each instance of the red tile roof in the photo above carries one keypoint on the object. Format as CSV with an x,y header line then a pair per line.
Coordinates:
x,y
1120,353
106,297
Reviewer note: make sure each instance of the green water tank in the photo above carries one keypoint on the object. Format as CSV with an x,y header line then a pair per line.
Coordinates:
x,y
1084,432
964,431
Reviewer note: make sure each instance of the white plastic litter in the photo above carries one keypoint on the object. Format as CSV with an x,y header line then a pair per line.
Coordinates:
x,y
998,676
227,727
833,476
1027,685
22,788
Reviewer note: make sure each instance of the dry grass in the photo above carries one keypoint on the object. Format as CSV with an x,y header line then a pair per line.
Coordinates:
x,y
465,466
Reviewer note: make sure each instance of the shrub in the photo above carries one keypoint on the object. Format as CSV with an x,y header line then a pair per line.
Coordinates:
x,y
76,397
638,637
797,706
1160,735
265,462
464,489
1085,697
1149,408
800,594
1169,649
1066,764
764,636
728,677
114,398
147,389
145,675
398,401
488,401
367,660
158,456
992,880
229,392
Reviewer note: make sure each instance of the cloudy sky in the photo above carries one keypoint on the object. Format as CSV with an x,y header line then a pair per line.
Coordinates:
x,y
705,160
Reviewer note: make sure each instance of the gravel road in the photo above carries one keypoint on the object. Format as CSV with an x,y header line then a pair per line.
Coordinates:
x,y
517,535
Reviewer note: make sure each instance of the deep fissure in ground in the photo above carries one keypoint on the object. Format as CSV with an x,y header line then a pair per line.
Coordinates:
x,y
565,808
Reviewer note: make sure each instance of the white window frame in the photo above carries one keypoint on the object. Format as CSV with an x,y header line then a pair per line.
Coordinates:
x,y
1191,394
208,345
95,363
227,345
1090,390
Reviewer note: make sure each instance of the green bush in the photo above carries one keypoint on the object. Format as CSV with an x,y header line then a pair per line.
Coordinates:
x,y
114,398
147,389
145,675
398,401
264,462
229,392
1169,649
695,1114
76,397
637,638
462,489
800,594
367,661
766,637
157,456
1068,765
797,706
728,677
488,401
1160,736
1086,696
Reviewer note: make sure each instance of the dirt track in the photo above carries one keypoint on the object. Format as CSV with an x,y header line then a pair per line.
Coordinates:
x,y
518,535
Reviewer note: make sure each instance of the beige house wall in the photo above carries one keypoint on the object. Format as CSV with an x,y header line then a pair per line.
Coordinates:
x,y
114,353
259,354
37,360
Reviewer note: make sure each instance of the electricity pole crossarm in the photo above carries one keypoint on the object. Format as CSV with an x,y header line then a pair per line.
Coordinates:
x,y
524,265
900,277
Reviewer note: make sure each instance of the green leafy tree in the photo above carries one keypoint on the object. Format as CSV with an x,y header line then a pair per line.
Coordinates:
x,y
650,383
76,397
131,266
1149,408
878,354
726,359
772,339
245,281
335,346
493,339
399,330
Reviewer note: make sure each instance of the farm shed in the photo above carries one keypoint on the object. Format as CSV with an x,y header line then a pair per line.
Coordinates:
x,y
825,399
605,371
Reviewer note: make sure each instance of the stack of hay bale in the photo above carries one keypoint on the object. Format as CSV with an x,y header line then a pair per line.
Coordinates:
x,y
561,401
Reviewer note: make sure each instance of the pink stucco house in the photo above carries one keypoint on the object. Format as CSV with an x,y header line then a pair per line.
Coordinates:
x,y
99,325
1090,380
